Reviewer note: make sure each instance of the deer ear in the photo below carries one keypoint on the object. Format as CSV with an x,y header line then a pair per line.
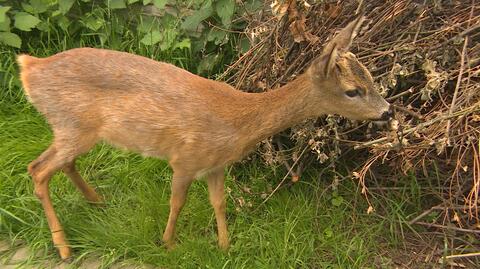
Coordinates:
x,y
324,65
330,61
341,42
344,38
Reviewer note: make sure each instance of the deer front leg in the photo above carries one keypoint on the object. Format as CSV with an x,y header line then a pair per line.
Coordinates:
x,y
180,185
216,188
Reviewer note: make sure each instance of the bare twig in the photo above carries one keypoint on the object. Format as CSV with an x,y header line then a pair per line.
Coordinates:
x,y
284,178
420,126
448,227
457,86
465,255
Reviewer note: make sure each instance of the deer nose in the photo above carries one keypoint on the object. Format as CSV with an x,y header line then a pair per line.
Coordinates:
x,y
387,115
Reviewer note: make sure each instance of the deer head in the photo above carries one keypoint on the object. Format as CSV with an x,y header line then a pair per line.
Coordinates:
x,y
342,84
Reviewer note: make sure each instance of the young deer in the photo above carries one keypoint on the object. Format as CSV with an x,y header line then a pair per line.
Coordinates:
x,y
199,125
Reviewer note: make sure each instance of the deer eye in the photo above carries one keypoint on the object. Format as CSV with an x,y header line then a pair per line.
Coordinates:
x,y
353,93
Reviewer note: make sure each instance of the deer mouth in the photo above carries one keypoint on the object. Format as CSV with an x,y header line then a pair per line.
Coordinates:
x,y
390,124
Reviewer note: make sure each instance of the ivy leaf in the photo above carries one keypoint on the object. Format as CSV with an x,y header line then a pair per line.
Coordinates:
x,y
65,5
160,4
116,4
191,23
25,21
10,39
3,13
151,38
225,10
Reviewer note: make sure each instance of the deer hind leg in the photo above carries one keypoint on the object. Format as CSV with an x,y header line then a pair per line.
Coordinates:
x,y
87,191
56,157
41,170
180,186
215,183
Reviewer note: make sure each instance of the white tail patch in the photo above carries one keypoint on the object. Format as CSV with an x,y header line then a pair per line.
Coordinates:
x,y
23,61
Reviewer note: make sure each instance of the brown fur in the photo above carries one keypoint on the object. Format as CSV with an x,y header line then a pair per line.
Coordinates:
x,y
199,125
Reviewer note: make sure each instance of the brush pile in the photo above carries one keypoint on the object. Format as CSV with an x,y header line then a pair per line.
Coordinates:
x,y
425,58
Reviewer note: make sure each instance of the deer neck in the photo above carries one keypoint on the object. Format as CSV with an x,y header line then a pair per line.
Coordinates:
x,y
280,109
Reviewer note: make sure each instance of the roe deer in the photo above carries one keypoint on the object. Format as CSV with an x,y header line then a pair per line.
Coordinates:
x,y
199,125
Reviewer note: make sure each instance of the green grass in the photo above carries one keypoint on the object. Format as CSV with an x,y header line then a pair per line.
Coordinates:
x,y
301,226
294,229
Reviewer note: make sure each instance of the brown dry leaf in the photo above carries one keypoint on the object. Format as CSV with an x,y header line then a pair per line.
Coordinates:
x,y
247,189
476,118
279,8
456,218
435,80
241,201
370,209
333,9
297,25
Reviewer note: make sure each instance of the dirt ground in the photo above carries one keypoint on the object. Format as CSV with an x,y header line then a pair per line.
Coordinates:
x,y
19,256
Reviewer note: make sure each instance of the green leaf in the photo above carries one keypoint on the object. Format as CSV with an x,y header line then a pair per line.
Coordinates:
x,y
146,2
191,23
151,38
225,10
208,63
10,39
251,6
328,232
65,5
28,8
43,26
55,13
185,43
5,25
132,1
3,13
39,6
25,21
169,36
219,36
63,23
244,44
337,201
116,4
147,24
93,23
160,4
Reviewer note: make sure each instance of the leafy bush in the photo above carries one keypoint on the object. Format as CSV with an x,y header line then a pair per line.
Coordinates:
x,y
204,27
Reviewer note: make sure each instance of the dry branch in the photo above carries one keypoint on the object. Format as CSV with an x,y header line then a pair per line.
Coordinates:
x,y
424,56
